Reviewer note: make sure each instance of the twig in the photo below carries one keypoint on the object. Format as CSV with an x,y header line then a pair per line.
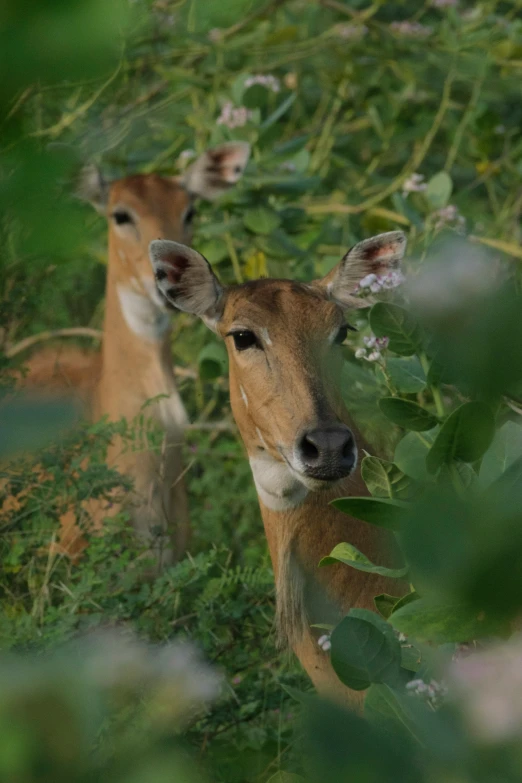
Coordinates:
x,y
75,331
212,426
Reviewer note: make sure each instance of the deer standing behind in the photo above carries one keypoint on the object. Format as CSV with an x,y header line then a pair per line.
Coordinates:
x,y
135,363
283,339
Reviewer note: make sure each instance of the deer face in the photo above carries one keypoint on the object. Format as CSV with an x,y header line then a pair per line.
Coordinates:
x,y
146,207
283,341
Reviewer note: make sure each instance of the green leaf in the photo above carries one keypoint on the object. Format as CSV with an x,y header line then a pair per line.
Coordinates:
x,y
442,623
214,250
465,435
279,245
384,604
377,511
411,452
396,323
365,650
406,374
439,190
406,599
390,710
347,553
212,361
504,450
28,423
261,220
407,414
384,479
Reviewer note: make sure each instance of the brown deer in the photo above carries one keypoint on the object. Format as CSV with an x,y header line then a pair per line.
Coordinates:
x,y
285,363
135,363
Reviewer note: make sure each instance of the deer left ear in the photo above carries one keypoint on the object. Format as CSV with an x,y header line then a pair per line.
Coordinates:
x,y
378,255
217,170
184,277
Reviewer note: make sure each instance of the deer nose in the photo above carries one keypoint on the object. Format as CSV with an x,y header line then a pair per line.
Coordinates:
x,y
328,453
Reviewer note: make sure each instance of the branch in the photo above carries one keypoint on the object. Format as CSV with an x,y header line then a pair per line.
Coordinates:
x,y
76,331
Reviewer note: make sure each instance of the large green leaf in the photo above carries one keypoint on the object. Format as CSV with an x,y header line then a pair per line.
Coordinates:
x,y
347,553
261,220
382,512
465,435
505,448
443,623
396,323
212,361
389,709
365,650
411,452
439,190
406,374
384,479
407,414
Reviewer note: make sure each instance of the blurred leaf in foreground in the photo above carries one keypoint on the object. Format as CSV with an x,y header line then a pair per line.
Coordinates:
x,y
30,422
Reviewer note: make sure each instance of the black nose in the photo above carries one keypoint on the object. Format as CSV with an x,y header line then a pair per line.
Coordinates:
x,y
328,453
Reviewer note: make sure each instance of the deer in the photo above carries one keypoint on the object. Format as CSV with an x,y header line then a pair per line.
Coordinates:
x,y
135,360
283,341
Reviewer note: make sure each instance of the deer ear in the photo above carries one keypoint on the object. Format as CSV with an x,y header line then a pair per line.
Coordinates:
x,y
184,278
92,187
217,170
378,255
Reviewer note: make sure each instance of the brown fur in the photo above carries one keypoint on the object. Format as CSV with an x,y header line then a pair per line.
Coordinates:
x,y
290,386
128,372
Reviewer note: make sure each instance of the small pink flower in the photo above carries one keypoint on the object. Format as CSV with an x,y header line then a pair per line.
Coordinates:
x,y
411,29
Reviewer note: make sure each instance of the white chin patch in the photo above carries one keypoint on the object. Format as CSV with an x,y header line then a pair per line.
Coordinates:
x,y
278,487
143,315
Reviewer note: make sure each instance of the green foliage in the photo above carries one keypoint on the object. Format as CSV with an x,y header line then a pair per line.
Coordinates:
x,y
362,105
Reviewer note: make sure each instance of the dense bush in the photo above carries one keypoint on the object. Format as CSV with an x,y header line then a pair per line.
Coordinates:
x,y
363,118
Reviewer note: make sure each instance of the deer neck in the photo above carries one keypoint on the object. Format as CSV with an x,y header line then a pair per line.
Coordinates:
x,y
302,533
136,356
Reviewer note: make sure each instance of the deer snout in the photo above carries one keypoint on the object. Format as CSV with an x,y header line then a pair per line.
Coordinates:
x,y
328,453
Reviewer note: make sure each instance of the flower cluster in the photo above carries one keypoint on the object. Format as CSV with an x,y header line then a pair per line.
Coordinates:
x,y
432,692
324,642
233,117
268,81
375,283
449,216
351,32
488,685
374,347
414,184
444,3
411,29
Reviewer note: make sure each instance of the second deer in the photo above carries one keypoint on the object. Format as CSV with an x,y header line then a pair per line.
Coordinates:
x,y
135,363
285,364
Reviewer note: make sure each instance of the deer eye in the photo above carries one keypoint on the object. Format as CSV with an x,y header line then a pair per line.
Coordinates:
x,y
120,216
340,337
189,215
244,339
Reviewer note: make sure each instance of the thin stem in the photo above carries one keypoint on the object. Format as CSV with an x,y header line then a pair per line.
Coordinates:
x,y
233,257
435,391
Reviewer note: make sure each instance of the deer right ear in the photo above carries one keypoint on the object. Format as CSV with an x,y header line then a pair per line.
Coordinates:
x,y
378,256
217,170
92,187
184,277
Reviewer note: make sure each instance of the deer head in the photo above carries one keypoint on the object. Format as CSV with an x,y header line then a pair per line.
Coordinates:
x,y
144,207
283,341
